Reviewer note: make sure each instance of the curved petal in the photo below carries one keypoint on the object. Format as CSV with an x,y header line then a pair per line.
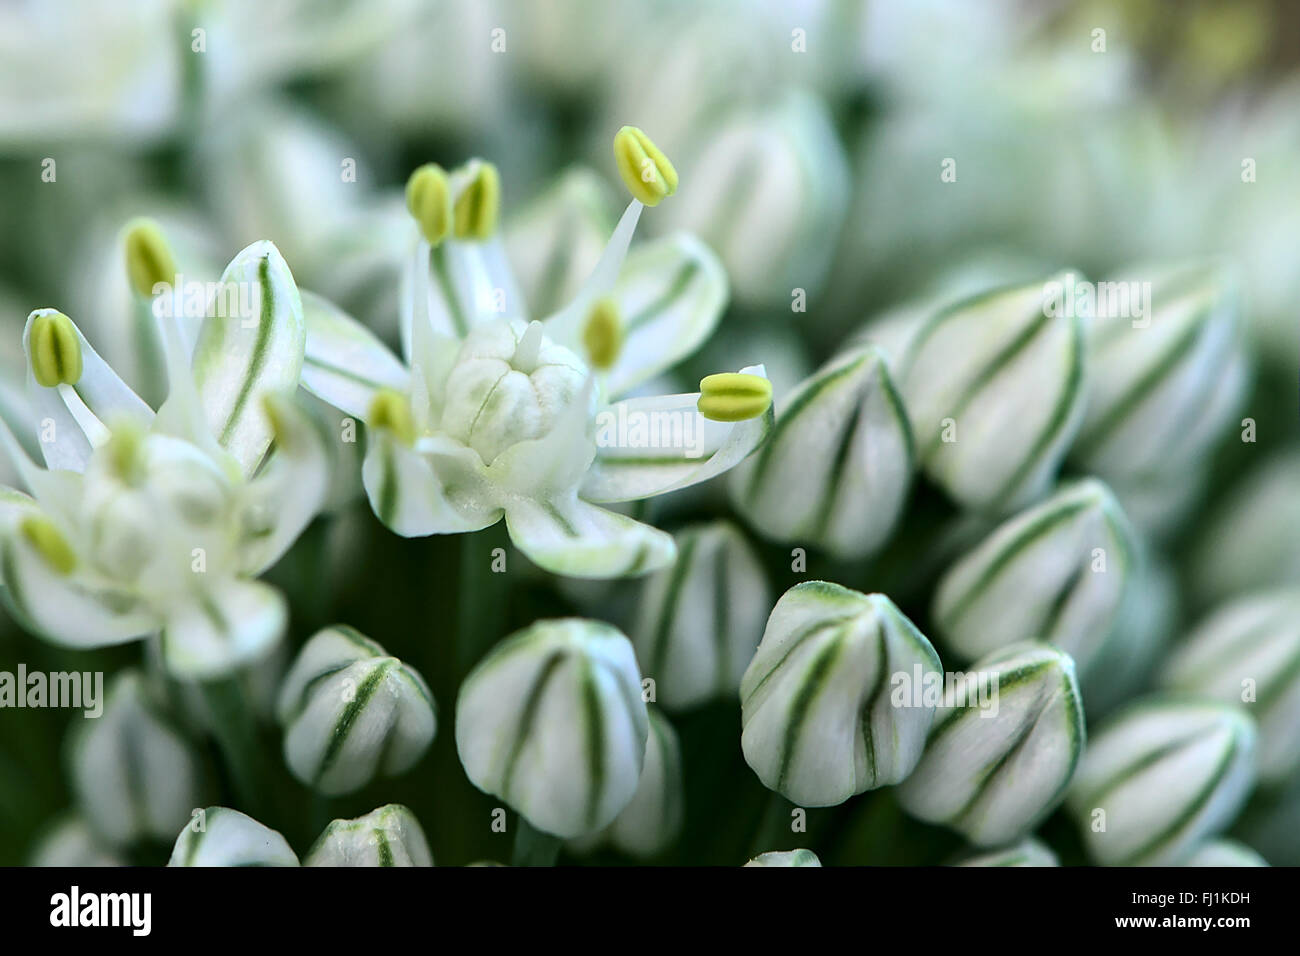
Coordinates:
x,y
408,495
251,345
233,624
670,294
566,535
650,446
565,326
345,362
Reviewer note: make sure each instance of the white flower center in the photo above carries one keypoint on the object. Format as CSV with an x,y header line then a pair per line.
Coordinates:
x,y
508,385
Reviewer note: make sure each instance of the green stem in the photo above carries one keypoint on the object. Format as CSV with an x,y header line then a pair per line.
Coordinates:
x,y
235,732
773,827
481,596
533,847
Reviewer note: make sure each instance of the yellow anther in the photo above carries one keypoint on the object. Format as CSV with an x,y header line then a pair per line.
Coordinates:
x,y
479,203
428,197
53,547
390,410
734,396
602,336
646,171
125,449
55,349
149,259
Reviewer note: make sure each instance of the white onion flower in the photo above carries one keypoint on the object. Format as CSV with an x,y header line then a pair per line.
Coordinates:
x,y
152,522
388,836
1003,748
351,711
552,721
219,836
493,416
700,620
1057,572
1160,778
1247,653
832,703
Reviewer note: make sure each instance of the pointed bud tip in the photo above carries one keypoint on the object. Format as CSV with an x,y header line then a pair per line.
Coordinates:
x,y
734,396
479,204
428,198
55,349
646,171
149,260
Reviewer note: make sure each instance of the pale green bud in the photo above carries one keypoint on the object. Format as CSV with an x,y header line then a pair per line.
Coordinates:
x,y
1247,653
1057,572
351,712
553,722
833,702
132,770
786,858
1160,778
388,836
837,467
700,620
651,822
1005,743
219,836
1028,852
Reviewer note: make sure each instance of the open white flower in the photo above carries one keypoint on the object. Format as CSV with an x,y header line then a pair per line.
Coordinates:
x,y
150,522
493,415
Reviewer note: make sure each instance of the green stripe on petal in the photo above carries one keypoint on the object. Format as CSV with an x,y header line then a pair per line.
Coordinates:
x,y
567,535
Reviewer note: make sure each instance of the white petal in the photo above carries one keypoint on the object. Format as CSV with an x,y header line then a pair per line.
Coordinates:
x,y
235,623
345,362
569,536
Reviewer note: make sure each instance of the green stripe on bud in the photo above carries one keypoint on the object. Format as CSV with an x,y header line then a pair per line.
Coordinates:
x,y
734,396
700,620
478,205
351,712
1247,653
1058,572
1160,778
388,836
149,260
219,836
822,715
646,171
553,722
42,535
1006,740
55,349
428,198
602,336
390,411
786,858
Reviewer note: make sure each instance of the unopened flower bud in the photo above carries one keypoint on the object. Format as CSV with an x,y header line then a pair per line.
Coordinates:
x,y
219,836
786,858
700,620
1160,778
1224,853
833,702
1004,746
1028,852
553,722
388,836
350,712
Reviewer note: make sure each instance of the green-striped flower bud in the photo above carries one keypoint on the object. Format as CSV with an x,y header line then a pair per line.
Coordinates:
x,y
219,836
552,721
1160,778
1247,653
786,858
131,770
1057,572
149,260
837,467
478,202
388,836
428,199
646,171
993,386
1163,385
834,702
1005,743
1224,853
54,348
700,620
734,396
350,712
1028,852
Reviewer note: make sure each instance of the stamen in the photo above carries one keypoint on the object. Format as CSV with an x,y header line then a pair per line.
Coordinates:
x,y
55,349
390,410
149,261
603,334
46,539
734,396
479,203
646,171
428,198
